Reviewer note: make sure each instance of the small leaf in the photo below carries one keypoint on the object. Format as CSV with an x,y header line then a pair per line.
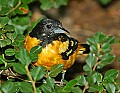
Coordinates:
x,y
91,41
3,21
25,87
23,9
9,28
106,59
106,48
1,59
81,80
23,56
96,88
110,75
55,70
11,36
19,68
99,37
34,53
69,85
46,89
110,87
110,39
91,60
87,68
20,38
5,42
9,87
10,52
105,2
36,50
76,90
38,73
50,82
27,1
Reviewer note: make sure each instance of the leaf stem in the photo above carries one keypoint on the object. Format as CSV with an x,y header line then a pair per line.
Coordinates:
x,y
96,66
85,88
19,3
30,77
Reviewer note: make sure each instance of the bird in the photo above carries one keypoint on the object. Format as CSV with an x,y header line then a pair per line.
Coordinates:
x,y
58,47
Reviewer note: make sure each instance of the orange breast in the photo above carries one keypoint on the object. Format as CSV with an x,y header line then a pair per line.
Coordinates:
x,y
50,54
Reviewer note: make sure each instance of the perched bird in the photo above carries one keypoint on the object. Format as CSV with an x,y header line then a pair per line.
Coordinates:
x,y
58,47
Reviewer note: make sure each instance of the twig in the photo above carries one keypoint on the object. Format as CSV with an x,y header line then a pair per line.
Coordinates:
x,y
96,66
30,77
19,3
85,88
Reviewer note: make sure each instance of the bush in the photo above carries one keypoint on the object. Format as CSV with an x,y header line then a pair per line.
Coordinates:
x,y
15,59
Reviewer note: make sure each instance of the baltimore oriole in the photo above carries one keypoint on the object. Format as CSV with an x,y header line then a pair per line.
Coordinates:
x,y
58,47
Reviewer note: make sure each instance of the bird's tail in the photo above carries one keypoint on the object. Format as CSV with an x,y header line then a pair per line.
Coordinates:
x,y
83,49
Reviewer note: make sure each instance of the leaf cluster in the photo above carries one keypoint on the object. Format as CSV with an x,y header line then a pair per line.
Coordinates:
x,y
16,62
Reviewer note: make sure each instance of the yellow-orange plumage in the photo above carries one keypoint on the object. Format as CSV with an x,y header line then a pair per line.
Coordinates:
x,y
50,54
57,47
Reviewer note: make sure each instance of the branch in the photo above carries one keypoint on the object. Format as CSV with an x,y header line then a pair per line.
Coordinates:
x,y
30,77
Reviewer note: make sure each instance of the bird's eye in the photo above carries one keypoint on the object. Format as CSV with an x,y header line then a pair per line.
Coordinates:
x,y
49,26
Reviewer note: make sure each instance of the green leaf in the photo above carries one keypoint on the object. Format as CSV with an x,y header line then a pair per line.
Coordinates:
x,y
105,2
1,59
46,5
20,38
106,48
91,41
96,88
110,39
4,10
22,9
60,3
110,87
10,52
110,75
11,36
91,60
69,86
23,56
38,72
81,80
76,90
34,52
25,87
50,82
46,89
94,48
27,1
19,68
99,37
97,77
3,21
9,28
106,59
55,70
9,87
5,42
87,68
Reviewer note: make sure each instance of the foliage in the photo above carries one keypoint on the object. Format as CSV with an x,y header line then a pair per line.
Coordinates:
x,y
15,60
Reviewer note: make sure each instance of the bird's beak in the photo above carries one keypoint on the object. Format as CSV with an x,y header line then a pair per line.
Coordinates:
x,y
61,30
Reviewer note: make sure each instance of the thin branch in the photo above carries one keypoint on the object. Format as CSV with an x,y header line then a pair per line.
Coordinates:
x,y
30,77
85,88
14,8
96,65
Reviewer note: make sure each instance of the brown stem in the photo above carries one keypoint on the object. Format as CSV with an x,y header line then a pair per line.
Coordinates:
x,y
30,77
19,3
96,66
85,88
